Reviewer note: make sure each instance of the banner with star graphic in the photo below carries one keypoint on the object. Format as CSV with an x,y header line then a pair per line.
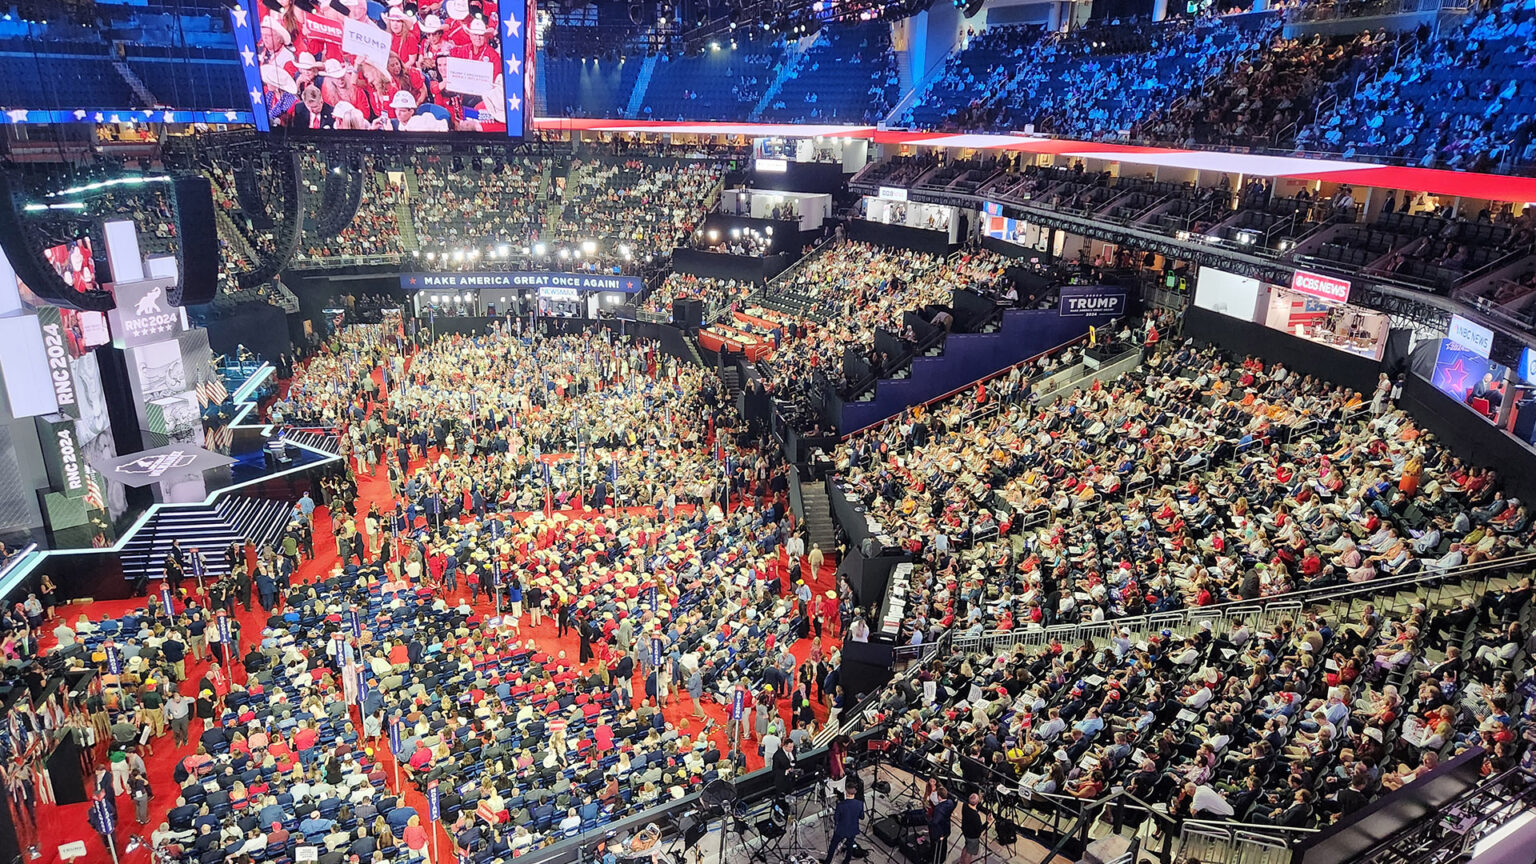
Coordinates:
x,y
462,67
1465,375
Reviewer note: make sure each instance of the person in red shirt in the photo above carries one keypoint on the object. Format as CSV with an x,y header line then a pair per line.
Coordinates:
x,y
403,41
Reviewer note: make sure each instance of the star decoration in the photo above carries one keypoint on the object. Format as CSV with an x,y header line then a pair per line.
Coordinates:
x,y
17,115
514,65
229,115
239,14
256,95
79,113
1455,378
514,103
113,119
167,116
100,117
248,56
513,25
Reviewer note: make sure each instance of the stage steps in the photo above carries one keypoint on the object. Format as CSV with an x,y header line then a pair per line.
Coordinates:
x,y
259,520
199,527
325,442
820,526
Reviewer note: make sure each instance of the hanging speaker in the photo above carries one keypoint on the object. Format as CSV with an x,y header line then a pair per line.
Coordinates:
x,y
199,246
24,249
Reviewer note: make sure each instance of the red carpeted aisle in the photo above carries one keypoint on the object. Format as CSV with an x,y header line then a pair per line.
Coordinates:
x,y
63,824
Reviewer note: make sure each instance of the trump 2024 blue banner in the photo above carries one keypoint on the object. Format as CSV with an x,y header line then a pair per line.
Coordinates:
x,y
1095,301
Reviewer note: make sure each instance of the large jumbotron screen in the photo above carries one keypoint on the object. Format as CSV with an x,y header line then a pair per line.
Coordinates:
x,y
396,67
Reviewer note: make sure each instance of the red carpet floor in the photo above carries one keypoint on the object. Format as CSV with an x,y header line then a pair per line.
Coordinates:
x,y
63,824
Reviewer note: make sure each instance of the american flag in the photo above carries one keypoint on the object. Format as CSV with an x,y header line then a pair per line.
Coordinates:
x,y
212,391
218,438
1307,311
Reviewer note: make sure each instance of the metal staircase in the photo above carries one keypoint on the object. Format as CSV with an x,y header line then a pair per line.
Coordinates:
x,y
642,84
816,511
140,90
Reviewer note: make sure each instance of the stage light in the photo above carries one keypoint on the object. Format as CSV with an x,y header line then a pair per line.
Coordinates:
x,y
538,248
458,254
431,256
713,235
735,233
565,254
504,250
769,230
415,253
589,246
525,250
714,46
437,298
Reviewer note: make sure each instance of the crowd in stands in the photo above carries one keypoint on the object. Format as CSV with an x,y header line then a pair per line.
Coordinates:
x,y
1191,481
716,293
1294,724
1457,99
848,75
374,229
499,206
1016,77
851,289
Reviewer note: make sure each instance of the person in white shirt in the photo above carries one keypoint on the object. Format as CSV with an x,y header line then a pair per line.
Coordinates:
x,y
1207,801
571,822
771,743
859,630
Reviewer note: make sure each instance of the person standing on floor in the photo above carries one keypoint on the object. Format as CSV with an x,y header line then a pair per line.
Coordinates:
x,y
815,559
845,825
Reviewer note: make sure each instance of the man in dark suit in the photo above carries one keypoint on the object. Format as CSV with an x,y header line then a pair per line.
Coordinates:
x,y
845,823
784,773
312,112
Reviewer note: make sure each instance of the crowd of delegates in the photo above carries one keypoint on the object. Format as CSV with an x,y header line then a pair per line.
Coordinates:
x,y
1191,481
1457,99
1293,725
532,745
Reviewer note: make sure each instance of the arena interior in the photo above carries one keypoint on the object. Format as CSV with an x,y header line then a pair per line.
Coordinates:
x,y
686,431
